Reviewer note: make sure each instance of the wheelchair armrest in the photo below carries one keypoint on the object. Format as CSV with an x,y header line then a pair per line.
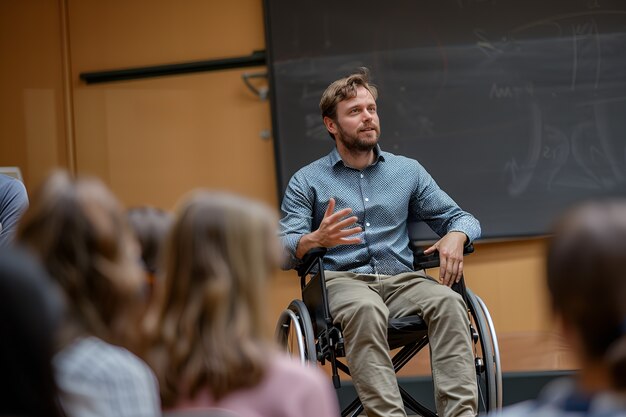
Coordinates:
x,y
309,259
421,261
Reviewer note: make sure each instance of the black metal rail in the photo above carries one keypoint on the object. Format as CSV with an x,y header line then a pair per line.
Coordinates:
x,y
257,58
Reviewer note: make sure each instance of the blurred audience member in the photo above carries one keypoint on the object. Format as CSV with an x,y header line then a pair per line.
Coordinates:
x,y
587,289
13,202
208,331
80,233
150,225
31,309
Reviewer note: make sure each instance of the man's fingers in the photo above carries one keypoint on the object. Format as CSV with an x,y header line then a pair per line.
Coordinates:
x,y
454,268
446,271
452,272
459,272
349,232
350,240
431,249
330,208
442,270
335,217
345,223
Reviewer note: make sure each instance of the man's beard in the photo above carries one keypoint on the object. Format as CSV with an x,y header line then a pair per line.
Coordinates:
x,y
355,143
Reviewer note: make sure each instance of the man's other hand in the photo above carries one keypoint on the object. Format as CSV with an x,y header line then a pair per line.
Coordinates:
x,y
450,248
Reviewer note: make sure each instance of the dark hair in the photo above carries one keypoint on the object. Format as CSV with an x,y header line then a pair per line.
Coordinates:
x,y
30,311
586,275
342,89
150,225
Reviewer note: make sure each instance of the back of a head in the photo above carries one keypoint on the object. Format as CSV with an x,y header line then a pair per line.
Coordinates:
x,y
150,225
30,309
224,242
220,252
79,231
587,280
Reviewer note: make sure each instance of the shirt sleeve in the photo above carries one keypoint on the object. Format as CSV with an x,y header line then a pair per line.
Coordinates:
x,y
101,380
297,218
432,205
13,203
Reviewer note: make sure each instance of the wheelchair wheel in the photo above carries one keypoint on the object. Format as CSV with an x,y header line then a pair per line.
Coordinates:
x,y
294,332
489,372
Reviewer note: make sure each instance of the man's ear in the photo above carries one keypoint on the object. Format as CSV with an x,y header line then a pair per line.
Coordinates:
x,y
331,126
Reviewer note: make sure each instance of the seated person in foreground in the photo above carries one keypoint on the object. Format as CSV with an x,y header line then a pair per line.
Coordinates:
x,y
31,308
586,282
207,330
356,201
77,228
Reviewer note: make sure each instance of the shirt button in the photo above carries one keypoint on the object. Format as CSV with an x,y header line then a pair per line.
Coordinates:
x,y
367,199
361,175
367,224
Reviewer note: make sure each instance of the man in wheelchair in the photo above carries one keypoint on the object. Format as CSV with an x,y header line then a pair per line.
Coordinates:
x,y
356,202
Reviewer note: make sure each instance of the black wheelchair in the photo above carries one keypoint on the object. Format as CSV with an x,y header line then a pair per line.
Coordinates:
x,y
306,330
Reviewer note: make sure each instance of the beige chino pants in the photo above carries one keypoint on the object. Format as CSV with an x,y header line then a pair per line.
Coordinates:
x,y
362,305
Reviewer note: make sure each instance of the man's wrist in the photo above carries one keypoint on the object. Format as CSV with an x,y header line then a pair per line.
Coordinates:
x,y
462,235
306,243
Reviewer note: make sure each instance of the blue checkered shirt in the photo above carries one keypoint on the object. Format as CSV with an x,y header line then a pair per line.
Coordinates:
x,y
383,196
97,379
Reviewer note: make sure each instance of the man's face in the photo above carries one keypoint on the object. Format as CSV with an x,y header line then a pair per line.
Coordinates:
x,y
357,126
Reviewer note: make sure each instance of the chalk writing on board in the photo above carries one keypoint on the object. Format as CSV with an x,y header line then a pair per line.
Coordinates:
x,y
499,91
586,147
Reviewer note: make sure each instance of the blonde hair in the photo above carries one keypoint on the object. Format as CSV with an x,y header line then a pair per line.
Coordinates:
x,y
209,315
78,230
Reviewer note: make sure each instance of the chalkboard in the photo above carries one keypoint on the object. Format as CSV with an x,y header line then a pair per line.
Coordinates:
x,y
517,108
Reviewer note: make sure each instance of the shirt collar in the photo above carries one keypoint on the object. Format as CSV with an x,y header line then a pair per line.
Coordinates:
x,y
335,158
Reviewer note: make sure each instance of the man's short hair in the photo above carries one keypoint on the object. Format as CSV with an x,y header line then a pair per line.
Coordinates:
x,y
343,89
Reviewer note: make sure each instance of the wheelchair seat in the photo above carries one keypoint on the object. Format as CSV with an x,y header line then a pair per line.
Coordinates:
x,y
404,330
306,329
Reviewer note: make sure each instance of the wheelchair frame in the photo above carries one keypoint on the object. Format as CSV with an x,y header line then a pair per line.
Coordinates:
x,y
307,331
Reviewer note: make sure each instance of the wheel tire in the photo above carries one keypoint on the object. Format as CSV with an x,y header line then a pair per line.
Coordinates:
x,y
490,379
294,332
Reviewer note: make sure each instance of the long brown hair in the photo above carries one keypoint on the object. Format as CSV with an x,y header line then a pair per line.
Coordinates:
x,y
78,230
208,331
587,280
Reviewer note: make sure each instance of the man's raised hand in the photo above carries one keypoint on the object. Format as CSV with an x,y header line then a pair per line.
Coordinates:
x,y
334,230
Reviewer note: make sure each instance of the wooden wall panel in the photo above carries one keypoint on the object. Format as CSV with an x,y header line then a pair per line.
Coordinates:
x,y
32,129
153,140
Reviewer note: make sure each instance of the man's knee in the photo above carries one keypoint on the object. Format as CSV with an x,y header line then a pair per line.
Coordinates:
x,y
450,303
365,312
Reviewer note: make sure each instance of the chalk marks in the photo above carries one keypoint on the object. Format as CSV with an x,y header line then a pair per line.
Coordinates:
x,y
585,150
